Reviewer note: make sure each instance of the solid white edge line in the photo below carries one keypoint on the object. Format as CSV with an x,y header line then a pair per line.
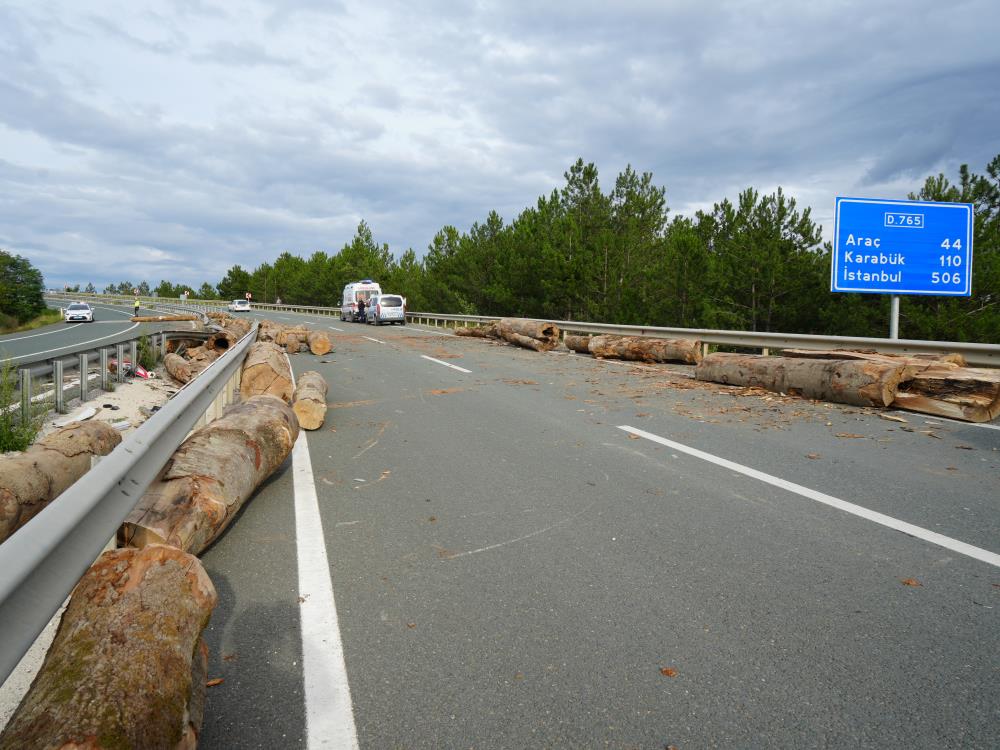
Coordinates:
x,y
47,333
74,346
329,712
880,518
446,364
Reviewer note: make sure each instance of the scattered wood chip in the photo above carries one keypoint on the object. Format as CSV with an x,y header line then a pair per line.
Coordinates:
x,y
411,625
911,582
965,447
812,455
849,435
228,657
214,682
633,437
668,672
893,418
931,433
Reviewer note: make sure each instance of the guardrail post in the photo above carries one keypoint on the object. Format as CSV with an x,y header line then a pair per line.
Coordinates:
x,y
120,358
57,385
25,394
134,353
704,349
105,374
765,351
83,367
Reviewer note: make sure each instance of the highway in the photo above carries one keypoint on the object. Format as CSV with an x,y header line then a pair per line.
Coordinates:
x,y
543,550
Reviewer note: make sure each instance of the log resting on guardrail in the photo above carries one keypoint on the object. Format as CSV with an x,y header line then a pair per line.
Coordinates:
x,y
31,480
856,382
127,667
646,349
212,474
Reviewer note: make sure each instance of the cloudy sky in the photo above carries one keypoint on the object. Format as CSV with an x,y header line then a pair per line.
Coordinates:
x,y
176,138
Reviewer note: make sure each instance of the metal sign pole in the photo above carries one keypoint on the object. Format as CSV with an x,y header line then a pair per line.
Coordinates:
x,y
894,317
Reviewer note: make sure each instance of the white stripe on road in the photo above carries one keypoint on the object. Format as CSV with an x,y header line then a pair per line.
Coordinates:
x,y
446,364
893,523
74,346
335,329
371,339
33,335
329,717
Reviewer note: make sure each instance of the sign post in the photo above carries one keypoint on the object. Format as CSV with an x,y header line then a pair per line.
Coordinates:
x,y
902,247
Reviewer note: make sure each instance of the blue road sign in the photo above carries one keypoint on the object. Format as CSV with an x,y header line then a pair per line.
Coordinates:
x,y
902,247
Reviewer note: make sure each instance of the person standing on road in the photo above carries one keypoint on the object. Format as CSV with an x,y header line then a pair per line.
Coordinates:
x,y
135,307
361,308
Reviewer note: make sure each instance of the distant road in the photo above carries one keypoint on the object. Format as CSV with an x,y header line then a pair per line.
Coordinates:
x,y
545,550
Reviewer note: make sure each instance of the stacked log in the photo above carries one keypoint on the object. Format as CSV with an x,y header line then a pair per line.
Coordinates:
x,y
177,367
488,331
319,342
646,349
31,480
856,382
128,664
309,400
161,318
211,475
530,334
295,338
266,370
292,343
577,343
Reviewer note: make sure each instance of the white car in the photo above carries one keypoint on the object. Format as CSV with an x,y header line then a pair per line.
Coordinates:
x,y
386,308
78,312
239,305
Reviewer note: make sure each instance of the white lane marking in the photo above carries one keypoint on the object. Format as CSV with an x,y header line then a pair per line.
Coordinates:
x,y
33,335
335,329
74,346
371,339
446,364
329,716
436,333
911,415
880,518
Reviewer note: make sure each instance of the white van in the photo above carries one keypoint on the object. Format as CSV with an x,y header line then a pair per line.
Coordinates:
x,y
386,308
353,292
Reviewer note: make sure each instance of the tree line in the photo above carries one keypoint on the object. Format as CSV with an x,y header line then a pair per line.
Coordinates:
x,y
582,253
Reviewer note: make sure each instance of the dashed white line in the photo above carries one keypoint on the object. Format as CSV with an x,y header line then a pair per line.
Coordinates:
x,y
78,345
335,329
446,364
33,335
880,518
371,339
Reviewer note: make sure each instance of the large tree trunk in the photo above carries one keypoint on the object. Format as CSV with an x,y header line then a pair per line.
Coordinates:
x,y
489,331
211,475
309,400
233,330
913,363
646,349
31,480
319,342
861,383
161,318
266,370
530,334
177,367
577,343
127,666
971,394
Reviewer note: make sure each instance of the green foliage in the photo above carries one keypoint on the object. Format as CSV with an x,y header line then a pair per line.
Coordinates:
x,y
16,433
21,288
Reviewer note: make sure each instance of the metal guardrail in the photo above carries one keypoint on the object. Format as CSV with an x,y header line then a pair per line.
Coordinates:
x,y
43,560
987,355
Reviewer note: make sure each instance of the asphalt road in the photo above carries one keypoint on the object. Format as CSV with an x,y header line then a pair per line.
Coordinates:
x,y
513,569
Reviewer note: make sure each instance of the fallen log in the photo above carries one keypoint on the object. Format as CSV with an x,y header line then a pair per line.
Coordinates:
x,y
201,360
646,349
870,354
269,330
178,346
31,480
177,367
309,400
577,343
319,342
292,343
211,475
530,334
860,383
971,394
233,330
127,666
488,331
266,370
161,318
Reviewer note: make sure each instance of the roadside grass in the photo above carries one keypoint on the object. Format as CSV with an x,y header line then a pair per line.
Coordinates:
x,y
10,325
17,433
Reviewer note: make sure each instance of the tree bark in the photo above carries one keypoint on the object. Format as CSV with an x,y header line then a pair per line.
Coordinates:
x,y
309,400
161,318
211,475
914,362
489,331
319,342
577,343
971,394
127,666
530,334
646,349
177,367
31,480
266,370
861,383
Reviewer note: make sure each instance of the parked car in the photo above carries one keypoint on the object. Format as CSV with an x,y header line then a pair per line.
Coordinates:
x,y
386,308
239,305
78,312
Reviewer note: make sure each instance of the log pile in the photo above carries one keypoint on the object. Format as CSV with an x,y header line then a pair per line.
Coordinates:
x,y
211,475
161,318
488,331
127,666
309,400
31,480
577,343
530,334
295,339
940,385
645,349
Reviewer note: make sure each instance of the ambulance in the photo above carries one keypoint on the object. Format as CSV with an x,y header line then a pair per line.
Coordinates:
x,y
353,292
